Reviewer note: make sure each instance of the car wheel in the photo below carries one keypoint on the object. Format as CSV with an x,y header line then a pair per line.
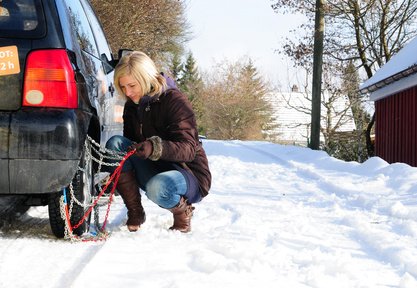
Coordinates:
x,y
82,186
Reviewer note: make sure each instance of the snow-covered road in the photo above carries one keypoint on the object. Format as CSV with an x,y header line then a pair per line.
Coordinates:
x,y
277,216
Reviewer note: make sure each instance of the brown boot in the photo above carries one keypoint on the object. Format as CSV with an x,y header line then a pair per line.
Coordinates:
x,y
182,216
129,190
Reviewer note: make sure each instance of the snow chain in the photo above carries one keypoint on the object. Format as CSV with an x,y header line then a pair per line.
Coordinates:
x,y
104,155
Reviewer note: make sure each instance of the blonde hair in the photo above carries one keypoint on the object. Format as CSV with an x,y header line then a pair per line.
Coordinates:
x,y
138,65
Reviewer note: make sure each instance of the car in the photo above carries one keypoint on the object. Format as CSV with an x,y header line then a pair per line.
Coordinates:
x,y
56,97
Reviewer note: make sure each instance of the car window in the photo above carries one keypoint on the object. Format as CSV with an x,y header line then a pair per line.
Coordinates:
x,y
102,44
81,26
21,19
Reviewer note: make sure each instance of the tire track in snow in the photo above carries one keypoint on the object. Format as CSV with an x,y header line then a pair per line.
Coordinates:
x,y
269,155
20,233
353,196
323,181
113,226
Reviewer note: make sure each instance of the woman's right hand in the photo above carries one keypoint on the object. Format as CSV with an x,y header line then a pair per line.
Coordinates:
x,y
143,149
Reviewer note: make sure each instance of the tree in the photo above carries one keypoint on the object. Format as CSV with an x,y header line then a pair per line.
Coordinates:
x,y
191,83
190,75
176,67
234,102
156,27
335,117
350,88
368,33
317,74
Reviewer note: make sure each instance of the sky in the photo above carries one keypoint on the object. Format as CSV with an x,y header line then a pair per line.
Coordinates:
x,y
234,29
276,216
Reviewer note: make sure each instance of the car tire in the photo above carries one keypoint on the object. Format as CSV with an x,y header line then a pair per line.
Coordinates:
x,y
83,187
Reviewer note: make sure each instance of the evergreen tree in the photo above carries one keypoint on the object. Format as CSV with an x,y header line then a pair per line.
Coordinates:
x,y
350,85
191,84
176,67
190,75
252,84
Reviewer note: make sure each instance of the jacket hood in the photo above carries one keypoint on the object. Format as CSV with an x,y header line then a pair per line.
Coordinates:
x,y
170,82
146,99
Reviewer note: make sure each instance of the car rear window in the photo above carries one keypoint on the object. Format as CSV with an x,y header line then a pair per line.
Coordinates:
x,y
21,19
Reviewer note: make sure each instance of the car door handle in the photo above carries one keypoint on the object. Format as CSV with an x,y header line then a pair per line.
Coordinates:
x,y
111,89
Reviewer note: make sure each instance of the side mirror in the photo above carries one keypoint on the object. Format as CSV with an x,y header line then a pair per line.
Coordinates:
x,y
123,52
107,64
120,54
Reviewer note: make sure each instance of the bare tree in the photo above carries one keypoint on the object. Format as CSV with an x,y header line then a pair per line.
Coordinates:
x,y
335,106
156,27
367,33
234,102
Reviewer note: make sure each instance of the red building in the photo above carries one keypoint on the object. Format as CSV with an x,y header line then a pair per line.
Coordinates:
x,y
393,88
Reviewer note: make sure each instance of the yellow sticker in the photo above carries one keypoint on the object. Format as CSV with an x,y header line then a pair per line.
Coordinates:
x,y
9,60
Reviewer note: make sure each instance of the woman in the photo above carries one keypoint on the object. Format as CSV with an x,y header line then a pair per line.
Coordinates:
x,y
169,163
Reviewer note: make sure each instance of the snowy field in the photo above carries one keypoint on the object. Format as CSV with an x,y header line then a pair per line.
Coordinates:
x,y
277,216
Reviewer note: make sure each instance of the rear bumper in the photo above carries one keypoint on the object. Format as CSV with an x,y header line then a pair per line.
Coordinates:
x,y
42,150
29,176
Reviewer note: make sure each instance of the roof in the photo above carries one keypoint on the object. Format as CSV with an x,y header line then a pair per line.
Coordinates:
x,y
395,73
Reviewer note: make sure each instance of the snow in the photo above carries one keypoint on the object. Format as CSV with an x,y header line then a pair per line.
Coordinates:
x,y
403,60
276,216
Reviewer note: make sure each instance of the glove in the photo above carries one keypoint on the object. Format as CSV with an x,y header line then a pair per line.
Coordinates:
x,y
143,149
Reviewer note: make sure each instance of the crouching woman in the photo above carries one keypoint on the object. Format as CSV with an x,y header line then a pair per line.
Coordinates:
x,y
170,164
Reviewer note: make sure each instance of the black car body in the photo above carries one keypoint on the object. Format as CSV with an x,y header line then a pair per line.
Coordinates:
x,y
56,73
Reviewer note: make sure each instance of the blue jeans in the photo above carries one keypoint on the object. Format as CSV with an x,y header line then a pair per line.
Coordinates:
x,y
163,182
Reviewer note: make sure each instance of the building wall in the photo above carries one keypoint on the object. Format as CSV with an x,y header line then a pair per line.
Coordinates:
x,y
396,127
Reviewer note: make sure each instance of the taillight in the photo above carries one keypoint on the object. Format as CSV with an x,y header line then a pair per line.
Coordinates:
x,y
49,80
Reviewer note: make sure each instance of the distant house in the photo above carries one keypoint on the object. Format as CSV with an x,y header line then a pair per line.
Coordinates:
x,y
393,88
292,111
